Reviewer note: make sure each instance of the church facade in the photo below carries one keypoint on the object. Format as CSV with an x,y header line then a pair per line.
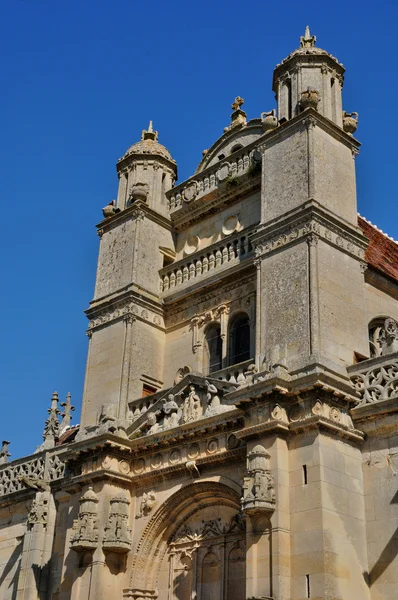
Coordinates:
x,y
239,430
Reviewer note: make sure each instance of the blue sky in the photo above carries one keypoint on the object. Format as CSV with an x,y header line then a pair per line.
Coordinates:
x,y
80,80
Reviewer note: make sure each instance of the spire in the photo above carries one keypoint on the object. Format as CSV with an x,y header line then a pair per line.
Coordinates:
x,y
4,454
307,40
149,134
51,428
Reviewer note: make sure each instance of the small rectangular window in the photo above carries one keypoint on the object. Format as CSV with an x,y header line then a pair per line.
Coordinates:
x,y
307,583
305,475
147,390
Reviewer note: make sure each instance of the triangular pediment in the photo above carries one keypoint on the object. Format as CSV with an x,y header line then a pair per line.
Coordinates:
x,y
193,398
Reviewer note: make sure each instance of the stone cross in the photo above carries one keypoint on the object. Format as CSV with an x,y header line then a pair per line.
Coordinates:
x,y
238,103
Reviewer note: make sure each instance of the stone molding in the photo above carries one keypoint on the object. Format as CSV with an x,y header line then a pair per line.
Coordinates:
x,y
313,225
124,309
137,212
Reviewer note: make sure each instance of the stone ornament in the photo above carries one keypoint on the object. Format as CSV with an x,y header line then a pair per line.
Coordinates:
x,y
309,99
66,415
39,510
258,486
139,191
223,172
190,192
230,225
4,454
209,529
191,245
269,120
117,533
350,122
377,383
85,527
388,337
148,501
181,373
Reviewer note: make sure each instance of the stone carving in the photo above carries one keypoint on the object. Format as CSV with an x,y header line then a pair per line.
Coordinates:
x,y
4,454
377,383
117,533
148,501
51,427
192,468
139,191
182,371
388,337
230,224
309,99
66,415
191,410
190,192
269,120
307,40
36,483
110,209
39,510
350,122
258,486
209,529
85,527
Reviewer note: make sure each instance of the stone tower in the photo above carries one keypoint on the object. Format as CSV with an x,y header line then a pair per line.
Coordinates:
x,y
238,437
125,314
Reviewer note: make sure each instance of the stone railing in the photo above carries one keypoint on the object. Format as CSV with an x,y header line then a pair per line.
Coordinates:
x,y
235,373
141,405
37,470
227,170
376,379
230,250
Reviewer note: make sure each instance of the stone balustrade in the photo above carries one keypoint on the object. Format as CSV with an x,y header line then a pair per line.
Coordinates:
x,y
235,373
226,171
142,405
203,263
376,379
33,471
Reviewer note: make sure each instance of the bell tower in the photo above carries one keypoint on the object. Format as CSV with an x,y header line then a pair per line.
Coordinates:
x,y
126,329
310,248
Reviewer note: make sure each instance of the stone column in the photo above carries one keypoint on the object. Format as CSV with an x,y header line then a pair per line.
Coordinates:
x,y
34,575
126,366
312,241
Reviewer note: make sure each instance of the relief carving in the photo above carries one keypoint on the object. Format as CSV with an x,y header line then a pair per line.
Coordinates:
x,y
85,527
258,486
117,533
148,501
39,510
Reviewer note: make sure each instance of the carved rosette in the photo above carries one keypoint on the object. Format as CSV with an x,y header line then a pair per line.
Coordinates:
x,y
258,486
117,536
85,527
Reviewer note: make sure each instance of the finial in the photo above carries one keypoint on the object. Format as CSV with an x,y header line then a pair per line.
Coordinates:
x,y
238,103
66,415
149,134
51,428
306,40
4,454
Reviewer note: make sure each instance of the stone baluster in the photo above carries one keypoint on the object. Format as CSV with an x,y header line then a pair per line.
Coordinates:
x,y
205,263
198,267
172,279
185,274
192,271
165,283
218,258
179,276
212,260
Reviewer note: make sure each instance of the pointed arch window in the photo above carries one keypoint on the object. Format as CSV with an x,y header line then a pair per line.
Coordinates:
x,y
213,349
239,339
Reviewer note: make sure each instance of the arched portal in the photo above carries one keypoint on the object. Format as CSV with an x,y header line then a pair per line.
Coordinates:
x,y
192,546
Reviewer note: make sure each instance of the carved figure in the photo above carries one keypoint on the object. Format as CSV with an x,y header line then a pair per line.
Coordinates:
x,y
152,423
39,510
117,533
171,411
192,468
148,501
4,454
85,527
36,483
258,487
192,408
388,337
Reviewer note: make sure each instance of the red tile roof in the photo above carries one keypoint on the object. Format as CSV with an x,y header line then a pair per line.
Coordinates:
x,y
382,252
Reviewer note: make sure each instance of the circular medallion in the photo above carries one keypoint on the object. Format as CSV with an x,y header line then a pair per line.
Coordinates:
x,y
106,463
190,192
124,467
191,245
223,172
139,465
230,224
294,413
174,457
317,408
212,446
335,414
233,442
156,461
193,450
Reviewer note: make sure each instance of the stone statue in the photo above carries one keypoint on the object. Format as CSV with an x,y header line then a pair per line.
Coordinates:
x,y
258,487
192,407
171,412
4,454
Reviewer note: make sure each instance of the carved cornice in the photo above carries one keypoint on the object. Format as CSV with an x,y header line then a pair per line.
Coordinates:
x,y
311,222
128,305
136,211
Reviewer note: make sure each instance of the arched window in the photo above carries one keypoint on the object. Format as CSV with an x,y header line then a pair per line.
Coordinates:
x,y
213,349
239,339
236,147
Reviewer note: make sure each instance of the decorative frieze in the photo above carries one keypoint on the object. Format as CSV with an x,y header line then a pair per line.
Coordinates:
x,y
124,310
44,468
333,235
